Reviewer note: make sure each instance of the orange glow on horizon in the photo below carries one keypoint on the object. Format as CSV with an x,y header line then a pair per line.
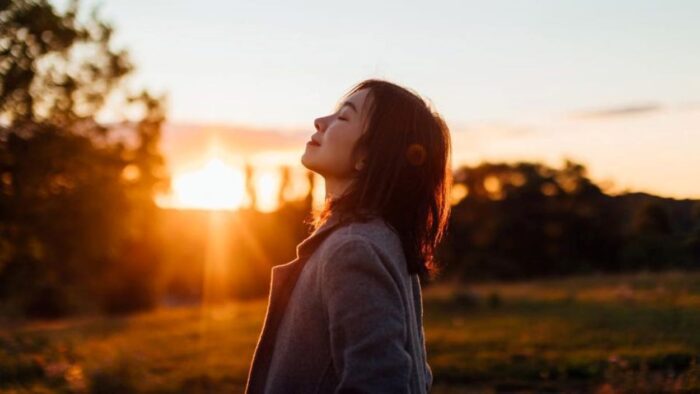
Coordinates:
x,y
267,184
216,186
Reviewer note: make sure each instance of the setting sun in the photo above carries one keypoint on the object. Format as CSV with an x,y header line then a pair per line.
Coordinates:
x,y
214,186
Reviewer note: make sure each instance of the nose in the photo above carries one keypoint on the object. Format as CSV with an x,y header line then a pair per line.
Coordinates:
x,y
320,124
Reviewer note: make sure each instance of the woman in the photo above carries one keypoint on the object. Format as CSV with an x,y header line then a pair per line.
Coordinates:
x,y
346,315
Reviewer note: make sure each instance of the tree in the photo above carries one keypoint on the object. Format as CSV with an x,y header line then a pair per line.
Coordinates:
x,y
526,219
76,197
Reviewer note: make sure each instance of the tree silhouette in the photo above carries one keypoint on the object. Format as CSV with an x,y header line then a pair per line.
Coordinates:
x,y
285,184
527,219
652,219
250,186
76,199
308,201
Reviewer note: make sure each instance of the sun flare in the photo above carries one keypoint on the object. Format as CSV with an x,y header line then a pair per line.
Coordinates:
x,y
214,186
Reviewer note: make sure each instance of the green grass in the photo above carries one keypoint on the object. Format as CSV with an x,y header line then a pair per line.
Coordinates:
x,y
628,333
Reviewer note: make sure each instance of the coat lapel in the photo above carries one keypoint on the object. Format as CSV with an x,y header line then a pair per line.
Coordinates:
x,y
285,274
282,280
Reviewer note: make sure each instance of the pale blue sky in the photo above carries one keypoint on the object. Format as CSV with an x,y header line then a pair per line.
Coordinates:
x,y
487,66
280,62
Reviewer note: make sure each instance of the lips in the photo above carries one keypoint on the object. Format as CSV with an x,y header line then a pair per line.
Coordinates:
x,y
313,142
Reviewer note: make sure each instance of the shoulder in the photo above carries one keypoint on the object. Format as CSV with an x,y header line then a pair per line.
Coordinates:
x,y
373,238
375,232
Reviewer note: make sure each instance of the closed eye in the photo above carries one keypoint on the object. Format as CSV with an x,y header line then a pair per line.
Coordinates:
x,y
340,117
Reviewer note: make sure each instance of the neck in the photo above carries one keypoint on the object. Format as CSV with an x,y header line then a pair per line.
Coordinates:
x,y
336,187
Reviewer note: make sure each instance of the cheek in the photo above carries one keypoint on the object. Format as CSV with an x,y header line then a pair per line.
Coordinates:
x,y
338,145
342,139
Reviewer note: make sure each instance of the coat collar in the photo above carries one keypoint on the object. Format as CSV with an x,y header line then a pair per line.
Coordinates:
x,y
307,246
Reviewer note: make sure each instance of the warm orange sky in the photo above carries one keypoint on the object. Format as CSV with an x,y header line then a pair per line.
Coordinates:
x,y
638,149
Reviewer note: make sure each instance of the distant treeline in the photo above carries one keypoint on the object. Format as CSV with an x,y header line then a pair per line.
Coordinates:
x,y
509,221
526,219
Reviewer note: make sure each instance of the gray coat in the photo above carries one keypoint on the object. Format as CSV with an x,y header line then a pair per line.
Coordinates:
x,y
344,316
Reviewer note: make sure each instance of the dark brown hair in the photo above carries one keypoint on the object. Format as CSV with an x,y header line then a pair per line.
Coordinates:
x,y
407,175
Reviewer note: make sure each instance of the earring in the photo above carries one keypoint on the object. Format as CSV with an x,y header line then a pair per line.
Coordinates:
x,y
416,154
360,165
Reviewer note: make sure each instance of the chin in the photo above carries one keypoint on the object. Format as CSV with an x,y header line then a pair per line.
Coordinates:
x,y
305,162
313,167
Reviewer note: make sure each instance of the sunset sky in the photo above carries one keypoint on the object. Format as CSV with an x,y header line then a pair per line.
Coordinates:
x,y
614,85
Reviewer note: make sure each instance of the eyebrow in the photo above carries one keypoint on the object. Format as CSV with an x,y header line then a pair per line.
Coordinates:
x,y
349,104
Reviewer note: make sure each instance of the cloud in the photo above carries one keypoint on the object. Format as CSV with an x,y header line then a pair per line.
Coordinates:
x,y
186,144
619,111
493,129
237,139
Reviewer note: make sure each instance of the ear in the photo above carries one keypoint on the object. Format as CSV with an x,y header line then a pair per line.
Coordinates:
x,y
362,161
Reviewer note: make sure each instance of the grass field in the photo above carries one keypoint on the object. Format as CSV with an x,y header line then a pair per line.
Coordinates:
x,y
604,334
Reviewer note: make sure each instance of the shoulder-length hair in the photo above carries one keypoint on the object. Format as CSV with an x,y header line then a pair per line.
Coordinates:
x,y
407,176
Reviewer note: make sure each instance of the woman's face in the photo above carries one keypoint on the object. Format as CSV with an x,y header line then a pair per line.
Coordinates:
x,y
328,152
